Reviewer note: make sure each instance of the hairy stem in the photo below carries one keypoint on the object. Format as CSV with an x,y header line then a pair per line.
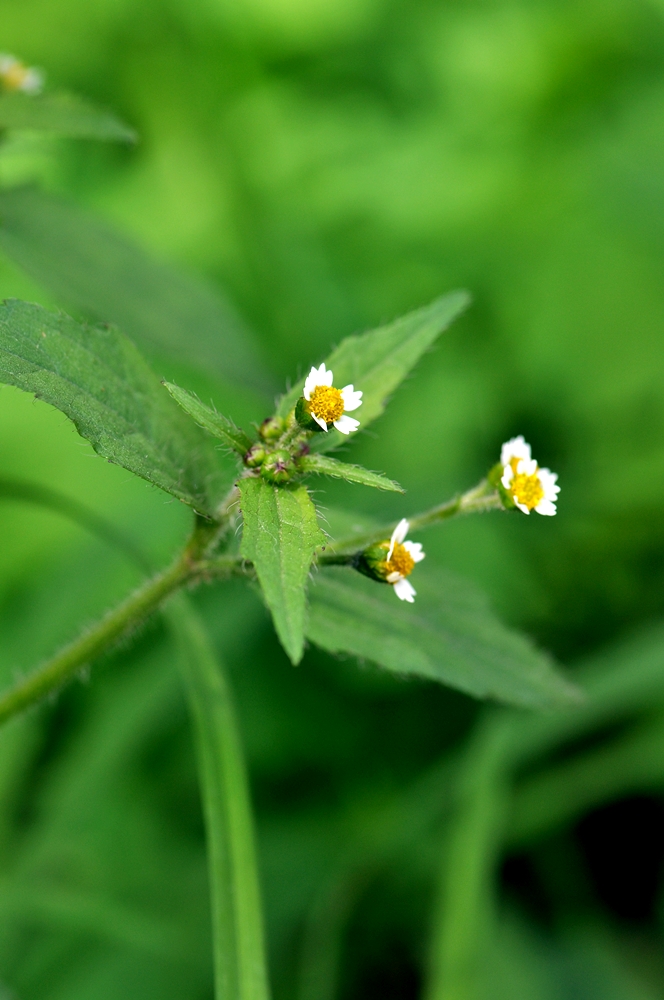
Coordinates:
x,y
97,639
481,498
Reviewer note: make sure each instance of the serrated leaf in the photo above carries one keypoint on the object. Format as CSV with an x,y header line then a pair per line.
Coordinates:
x,y
324,465
211,421
62,114
279,537
100,381
92,269
378,361
449,635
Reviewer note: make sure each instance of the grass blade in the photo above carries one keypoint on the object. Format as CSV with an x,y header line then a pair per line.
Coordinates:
x,y
239,953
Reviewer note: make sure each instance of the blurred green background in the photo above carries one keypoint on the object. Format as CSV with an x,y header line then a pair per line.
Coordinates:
x,y
331,164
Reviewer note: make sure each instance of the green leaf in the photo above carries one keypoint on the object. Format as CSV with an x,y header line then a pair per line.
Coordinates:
x,y
378,361
280,536
100,381
326,466
449,635
211,421
63,114
92,269
239,951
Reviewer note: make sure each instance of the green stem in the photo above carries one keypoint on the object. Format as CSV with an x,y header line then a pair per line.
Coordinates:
x,y
138,606
480,499
239,951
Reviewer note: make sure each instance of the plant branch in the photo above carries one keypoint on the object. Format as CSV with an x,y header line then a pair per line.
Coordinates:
x,y
480,499
187,567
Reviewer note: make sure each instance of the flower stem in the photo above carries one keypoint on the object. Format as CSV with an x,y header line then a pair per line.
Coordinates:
x,y
481,498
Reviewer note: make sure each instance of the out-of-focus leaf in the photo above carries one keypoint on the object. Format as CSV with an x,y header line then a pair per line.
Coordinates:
x,y
378,361
632,764
324,465
449,635
100,381
63,114
211,421
89,267
464,921
239,951
280,536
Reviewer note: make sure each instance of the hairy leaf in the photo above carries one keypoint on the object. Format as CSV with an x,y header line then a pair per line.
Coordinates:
x,y
63,114
324,465
91,268
211,421
449,635
280,536
100,381
378,361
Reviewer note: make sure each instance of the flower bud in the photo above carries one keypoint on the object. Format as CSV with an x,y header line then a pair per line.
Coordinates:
x,y
272,428
304,418
278,467
373,561
255,456
494,477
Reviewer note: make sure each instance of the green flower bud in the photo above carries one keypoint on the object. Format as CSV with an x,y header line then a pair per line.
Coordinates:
x,y
304,418
255,456
495,476
278,467
272,428
372,562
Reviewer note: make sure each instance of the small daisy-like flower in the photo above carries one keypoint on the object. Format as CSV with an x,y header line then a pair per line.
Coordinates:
x,y
400,563
530,487
14,75
328,405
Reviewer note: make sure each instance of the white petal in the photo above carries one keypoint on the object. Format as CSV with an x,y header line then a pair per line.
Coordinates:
x,y
526,467
548,481
414,549
320,421
346,425
514,448
398,535
522,507
394,577
316,377
352,398
508,476
7,62
405,591
310,384
546,507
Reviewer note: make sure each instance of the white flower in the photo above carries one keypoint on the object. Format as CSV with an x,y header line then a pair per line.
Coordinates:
x,y
530,487
14,75
401,559
516,448
328,405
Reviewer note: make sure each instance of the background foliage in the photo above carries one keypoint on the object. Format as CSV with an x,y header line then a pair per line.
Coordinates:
x,y
331,165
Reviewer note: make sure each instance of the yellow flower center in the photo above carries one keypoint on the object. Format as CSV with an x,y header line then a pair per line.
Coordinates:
x,y
527,489
14,77
327,403
401,562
